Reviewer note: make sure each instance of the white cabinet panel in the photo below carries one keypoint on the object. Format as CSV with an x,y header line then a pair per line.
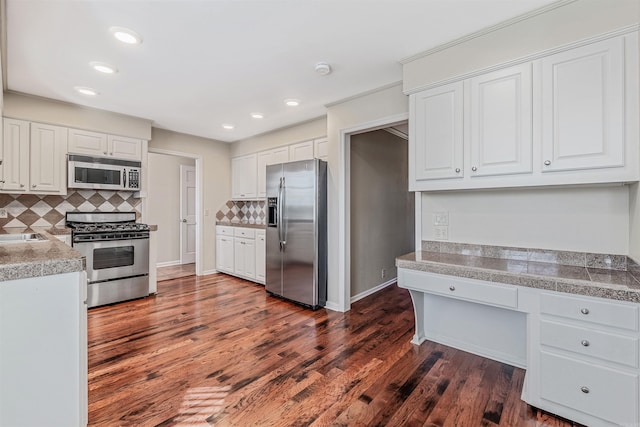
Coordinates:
x,y
224,254
436,133
15,155
86,142
261,256
123,147
500,114
322,149
583,107
301,151
265,158
243,177
48,158
244,257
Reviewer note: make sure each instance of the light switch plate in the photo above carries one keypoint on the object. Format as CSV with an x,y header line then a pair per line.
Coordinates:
x,y
3,213
441,218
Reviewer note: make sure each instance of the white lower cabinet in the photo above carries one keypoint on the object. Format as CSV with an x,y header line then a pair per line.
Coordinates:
x,y
240,251
261,256
581,354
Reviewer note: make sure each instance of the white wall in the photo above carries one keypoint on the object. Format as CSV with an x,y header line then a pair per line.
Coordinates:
x,y
571,22
44,110
216,180
285,136
574,219
163,203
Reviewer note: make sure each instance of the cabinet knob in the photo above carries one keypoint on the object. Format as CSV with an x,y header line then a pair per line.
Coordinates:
x,y
184,220
585,343
584,389
2,181
452,288
584,311
104,152
547,162
474,168
33,186
457,170
21,185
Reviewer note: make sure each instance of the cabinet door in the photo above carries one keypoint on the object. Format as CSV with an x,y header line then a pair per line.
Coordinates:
x,y
322,149
261,255
243,177
224,254
583,107
238,257
301,151
48,162
436,133
15,155
279,155
85,142
249,247
263,160
125,148
500,114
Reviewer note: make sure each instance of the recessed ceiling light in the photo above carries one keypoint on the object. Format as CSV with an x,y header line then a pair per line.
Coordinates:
x,y
86,90
292,102
103,67
126,35
257,115
323,68
228,126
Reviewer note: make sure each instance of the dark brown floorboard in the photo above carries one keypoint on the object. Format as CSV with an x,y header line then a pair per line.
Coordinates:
x,y
218,351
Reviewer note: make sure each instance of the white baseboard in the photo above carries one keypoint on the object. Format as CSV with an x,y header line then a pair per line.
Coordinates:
x,y
168,263
208,272
373,290
330,305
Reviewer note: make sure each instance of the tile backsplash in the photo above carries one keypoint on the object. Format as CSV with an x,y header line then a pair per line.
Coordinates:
x,y
25,210
250,211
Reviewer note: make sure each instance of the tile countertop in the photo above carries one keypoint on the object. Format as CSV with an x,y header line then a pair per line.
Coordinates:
x,y
532,268
242,224
42,258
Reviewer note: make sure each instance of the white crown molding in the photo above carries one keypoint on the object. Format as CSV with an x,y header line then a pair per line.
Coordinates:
x,y
532,57
359,95
488,30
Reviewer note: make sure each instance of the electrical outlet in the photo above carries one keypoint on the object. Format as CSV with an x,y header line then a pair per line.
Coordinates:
x,y
383,273
441,218
3,213
441,232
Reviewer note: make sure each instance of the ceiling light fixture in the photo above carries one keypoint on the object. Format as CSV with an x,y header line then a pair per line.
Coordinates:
x,y
228,126
323,68
103,67
292,102
257,115
126,35
86,90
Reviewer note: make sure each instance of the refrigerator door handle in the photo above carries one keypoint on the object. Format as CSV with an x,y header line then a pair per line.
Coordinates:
x,y
283,203
279,219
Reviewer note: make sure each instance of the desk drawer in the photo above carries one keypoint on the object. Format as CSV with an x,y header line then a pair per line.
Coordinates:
x,y
602,392
598,311
466,289
588,342
224,230
247,233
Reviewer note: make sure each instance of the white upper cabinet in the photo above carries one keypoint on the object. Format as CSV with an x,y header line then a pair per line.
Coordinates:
x,y
500,115
265,158
100,144
583,107
301,151
243,177
568,117
322,149
34,158
436,134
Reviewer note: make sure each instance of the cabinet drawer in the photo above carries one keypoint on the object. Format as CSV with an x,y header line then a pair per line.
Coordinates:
x,y
588,342
602,392
467,289
247,233
602,312
224,230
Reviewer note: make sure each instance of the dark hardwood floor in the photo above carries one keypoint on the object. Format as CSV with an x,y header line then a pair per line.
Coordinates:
x,y
218,351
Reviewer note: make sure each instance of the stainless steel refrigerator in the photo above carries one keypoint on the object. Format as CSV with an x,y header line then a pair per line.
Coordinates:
x,y
297,231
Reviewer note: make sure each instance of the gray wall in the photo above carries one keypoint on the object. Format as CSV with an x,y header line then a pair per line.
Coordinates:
x,y
382,210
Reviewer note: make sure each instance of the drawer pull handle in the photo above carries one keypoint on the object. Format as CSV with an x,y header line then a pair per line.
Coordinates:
x,y
452,288
585,343
584,389
584,311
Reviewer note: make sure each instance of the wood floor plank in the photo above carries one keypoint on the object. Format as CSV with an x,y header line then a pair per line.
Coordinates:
x,y
218,351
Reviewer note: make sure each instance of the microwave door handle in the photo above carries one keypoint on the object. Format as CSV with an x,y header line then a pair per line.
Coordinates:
x,y
124,178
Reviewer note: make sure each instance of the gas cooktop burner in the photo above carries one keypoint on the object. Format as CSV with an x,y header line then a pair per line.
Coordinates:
x,y
109,227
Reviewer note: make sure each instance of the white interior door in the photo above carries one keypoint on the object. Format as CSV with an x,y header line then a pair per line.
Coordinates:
x,y
187,214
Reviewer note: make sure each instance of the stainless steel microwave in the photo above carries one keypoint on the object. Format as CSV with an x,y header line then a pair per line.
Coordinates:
x,y
103,173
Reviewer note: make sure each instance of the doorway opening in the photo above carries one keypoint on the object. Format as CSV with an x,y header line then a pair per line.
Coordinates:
x,y
173,203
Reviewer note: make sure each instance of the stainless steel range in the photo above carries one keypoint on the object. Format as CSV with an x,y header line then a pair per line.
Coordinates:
x,y
117,253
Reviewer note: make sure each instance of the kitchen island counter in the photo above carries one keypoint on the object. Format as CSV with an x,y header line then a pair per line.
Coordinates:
x,y
39,258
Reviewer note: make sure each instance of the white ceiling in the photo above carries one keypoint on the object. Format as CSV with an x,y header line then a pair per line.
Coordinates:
x,y
204,63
